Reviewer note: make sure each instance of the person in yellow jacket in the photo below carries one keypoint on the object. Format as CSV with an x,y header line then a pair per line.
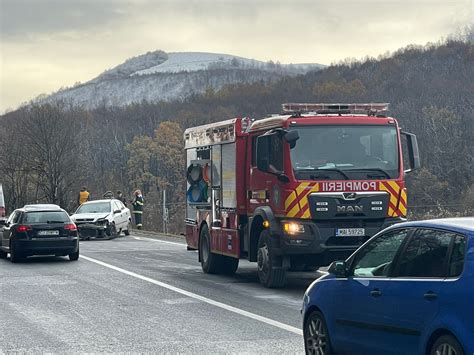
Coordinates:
x,y
84,195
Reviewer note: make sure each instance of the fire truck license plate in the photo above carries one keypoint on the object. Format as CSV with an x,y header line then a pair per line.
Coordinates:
x,y
350,232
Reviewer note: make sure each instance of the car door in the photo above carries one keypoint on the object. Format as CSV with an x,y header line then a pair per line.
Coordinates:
x,y
123,214
12,220
419,275
119,217
360,301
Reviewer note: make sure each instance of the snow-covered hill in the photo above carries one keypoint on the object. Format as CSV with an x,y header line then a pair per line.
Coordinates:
x,y
157,76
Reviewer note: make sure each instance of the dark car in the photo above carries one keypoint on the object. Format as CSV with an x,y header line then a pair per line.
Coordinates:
x,y
39,230
408,290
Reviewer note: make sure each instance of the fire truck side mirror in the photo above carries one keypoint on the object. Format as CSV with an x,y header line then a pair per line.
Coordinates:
x,y
291,137
413,152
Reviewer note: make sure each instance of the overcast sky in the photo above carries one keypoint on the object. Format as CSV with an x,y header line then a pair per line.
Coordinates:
x,y
47,44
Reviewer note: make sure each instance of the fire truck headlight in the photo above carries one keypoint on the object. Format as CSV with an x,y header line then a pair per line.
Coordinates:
x,y
293,228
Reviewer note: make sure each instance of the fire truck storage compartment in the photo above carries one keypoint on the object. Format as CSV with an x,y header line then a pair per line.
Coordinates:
x,y
229,193
191,154
222,185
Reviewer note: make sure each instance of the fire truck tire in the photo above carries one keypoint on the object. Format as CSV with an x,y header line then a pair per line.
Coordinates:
x,y
209,261
270,271
228,265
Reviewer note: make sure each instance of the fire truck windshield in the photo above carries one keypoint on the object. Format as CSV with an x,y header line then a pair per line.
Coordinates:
x,y
343,152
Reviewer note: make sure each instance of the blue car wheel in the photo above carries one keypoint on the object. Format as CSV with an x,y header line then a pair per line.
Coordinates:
x,y
316,335
447,345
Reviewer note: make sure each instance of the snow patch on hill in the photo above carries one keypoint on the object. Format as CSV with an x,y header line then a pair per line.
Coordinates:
x,y
159,76
193,61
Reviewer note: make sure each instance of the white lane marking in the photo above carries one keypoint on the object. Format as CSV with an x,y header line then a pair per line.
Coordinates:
x,y
200,298
159,241
180,300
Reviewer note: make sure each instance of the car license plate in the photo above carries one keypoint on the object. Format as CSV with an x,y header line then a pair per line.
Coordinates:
x,y
54,232
350,232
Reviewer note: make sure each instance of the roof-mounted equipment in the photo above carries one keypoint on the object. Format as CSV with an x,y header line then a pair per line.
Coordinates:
x,y
370,109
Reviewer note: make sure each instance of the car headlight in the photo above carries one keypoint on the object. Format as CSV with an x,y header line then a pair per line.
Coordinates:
x,y
293,228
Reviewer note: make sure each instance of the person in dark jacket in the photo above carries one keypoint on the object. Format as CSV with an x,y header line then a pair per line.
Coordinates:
x,y
121,197
137,204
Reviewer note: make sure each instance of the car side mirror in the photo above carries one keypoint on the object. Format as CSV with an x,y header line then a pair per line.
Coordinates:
x,y
117,211
291,137
338,269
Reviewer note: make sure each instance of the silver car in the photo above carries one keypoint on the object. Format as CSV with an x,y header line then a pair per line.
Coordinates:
x,y
102,218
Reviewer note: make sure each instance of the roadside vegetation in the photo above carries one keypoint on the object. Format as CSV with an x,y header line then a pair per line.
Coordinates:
x,y
48,152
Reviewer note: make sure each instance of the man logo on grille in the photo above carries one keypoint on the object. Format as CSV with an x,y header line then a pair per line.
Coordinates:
x,y
349,195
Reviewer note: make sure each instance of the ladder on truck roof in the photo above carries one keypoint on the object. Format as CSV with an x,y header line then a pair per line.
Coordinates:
x,y
370,109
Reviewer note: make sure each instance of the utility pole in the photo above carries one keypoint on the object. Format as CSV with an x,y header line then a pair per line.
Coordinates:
x,y
165,229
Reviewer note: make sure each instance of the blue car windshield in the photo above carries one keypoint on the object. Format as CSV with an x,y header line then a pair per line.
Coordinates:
x,y
99,207
343,151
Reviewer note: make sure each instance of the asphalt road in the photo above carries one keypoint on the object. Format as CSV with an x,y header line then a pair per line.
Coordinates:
x,y
137,294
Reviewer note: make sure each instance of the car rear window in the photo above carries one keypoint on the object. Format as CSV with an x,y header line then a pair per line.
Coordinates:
x,y
46,217
426,254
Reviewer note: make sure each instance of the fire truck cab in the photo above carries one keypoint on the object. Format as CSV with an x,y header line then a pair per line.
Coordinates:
x,y
294,191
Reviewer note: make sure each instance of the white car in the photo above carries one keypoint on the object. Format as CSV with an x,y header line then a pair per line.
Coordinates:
x,y
102,218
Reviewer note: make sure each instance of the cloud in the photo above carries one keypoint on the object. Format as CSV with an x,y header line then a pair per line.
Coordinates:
x,y
52,43
24,18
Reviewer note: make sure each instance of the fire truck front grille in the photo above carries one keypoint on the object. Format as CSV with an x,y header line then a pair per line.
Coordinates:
x,y
348,205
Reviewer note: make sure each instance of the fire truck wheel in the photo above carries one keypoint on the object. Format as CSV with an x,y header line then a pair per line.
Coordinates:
x,y
228,265
209,260
270,272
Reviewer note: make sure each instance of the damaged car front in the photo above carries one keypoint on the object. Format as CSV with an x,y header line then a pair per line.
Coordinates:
x,y
94,219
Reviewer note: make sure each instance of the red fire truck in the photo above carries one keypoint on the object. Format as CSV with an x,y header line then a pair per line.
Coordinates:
x,y
294,191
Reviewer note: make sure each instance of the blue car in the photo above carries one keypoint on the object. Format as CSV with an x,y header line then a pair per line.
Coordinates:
x,y
407,290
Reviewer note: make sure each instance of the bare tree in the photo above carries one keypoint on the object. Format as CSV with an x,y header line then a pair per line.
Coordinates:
x,y
51,133
15,172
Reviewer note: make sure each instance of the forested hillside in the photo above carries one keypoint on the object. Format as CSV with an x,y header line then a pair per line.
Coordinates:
x,y
49,151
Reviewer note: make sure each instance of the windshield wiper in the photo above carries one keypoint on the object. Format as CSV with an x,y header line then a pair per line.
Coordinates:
x,y
319,176
381,171
318,173
336,170
54,222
